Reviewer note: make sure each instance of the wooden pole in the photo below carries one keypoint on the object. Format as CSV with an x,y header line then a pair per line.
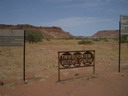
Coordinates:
x,y
24,59
58,67
119,46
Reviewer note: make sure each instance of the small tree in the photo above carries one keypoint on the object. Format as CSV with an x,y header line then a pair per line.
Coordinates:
x,y
124,39
33,36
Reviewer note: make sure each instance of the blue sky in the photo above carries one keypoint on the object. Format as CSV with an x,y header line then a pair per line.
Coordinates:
x,y
79,17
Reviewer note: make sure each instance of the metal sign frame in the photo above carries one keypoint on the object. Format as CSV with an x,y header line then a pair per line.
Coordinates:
x,y
75,59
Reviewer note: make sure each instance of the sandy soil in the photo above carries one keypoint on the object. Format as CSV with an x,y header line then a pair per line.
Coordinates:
x,y
74,82
103,83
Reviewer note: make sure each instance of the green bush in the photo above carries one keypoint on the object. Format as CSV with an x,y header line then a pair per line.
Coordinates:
x,y
48,39
85,42
105,39
124,38
116,39
100,39
96,39
33,36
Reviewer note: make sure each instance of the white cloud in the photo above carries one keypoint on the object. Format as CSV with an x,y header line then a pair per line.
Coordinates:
x,y
75,21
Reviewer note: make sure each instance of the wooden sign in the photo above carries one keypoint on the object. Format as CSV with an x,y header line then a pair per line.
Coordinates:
x,y
124,25
11,37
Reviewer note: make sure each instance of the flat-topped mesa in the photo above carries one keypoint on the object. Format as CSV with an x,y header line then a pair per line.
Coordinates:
x,y
3,26
106,34
27,26
19,26
47,32
53,29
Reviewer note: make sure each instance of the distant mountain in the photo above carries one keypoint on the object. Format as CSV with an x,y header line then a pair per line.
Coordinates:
x,y
48,32
106,34
57,32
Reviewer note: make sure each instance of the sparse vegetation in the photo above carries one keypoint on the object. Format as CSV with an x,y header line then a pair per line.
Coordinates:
x,y
48,39
96,39
100,39
43,56
105,39
116,39
85,42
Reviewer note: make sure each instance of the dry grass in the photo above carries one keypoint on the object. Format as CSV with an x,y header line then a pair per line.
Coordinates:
x,y
42,58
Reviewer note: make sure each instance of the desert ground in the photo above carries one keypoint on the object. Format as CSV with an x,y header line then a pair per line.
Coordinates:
x,y
42,70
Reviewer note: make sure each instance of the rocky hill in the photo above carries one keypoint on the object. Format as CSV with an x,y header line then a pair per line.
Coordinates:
x,y
106,34
48,32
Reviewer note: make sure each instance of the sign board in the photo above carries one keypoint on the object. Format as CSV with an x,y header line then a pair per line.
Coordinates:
x,y
75,59
124,24
11,37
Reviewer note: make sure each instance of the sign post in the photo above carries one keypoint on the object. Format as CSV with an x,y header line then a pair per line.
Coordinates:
x,y
119,45
24,59
123,30
127,41
14,38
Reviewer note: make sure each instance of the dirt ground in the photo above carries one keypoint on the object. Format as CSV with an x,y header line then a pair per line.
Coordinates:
x,y
42,75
